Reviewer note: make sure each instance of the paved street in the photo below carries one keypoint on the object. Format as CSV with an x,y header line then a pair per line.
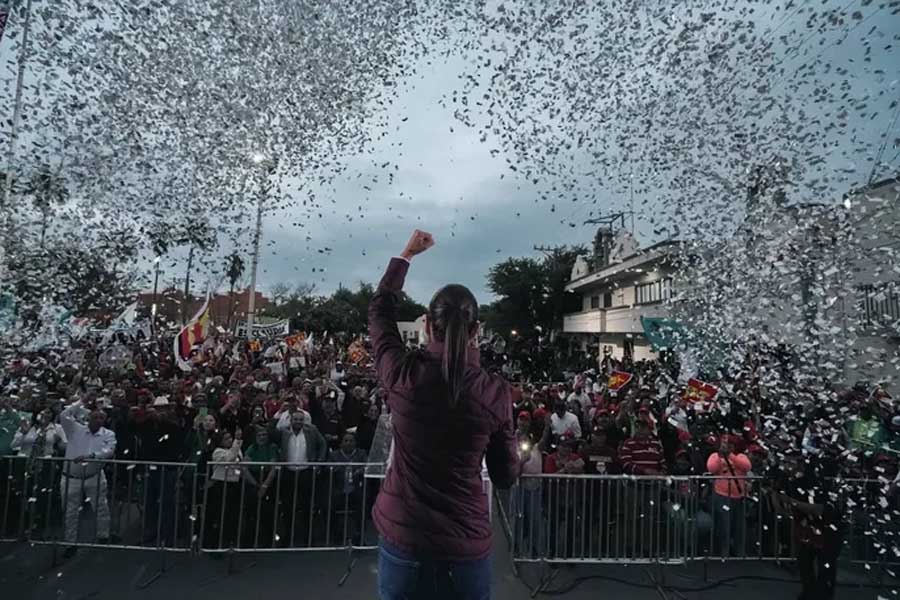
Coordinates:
x,y
26,573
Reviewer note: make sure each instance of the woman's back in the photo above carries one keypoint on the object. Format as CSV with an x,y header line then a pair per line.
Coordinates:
x,y
432,501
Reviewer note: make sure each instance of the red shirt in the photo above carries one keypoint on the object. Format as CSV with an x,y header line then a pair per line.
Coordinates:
x,y
432,501
639,455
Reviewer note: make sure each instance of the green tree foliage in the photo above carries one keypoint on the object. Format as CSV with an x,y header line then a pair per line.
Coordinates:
x,y
345,310
531,293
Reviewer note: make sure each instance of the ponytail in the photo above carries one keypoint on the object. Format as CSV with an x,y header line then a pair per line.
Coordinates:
x,y
456,345
453,315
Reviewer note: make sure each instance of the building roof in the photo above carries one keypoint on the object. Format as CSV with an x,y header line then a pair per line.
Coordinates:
x,y
647,255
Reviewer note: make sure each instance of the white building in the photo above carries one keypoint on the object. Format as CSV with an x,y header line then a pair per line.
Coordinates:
x,y
821,280
626,284
412,332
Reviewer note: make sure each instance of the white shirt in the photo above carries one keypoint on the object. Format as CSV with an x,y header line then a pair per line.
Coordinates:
x,y
296,448
583,399
224,472
81,442
54,437
568,423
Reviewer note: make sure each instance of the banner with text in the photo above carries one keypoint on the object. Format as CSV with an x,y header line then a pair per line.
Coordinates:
x,y
264,330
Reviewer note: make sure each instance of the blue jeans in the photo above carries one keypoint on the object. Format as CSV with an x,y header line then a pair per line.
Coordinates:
x,y
405,577
730,516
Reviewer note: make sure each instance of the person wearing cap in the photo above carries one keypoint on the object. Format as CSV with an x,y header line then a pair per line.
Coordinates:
x,y
580,396
729,496
561,510
562,421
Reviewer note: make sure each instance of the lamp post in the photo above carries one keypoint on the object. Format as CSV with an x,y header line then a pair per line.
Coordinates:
x,y
155,287
260,160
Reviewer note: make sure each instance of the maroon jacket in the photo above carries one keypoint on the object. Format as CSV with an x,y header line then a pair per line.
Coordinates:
x,y
432,501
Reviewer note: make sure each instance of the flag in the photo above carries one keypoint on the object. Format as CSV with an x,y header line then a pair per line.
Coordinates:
x,y
618,380
296,341
357,353
192,335
699,392
124,322
663,334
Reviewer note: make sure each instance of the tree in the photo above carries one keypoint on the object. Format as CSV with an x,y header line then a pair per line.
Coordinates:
x,y
91,274
279,292
532,297
47,190
345,310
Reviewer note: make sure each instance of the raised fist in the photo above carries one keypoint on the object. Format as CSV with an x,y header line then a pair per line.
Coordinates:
x,y
417,244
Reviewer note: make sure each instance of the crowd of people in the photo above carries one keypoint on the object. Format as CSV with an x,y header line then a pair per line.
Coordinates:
x,y
243,405
724,472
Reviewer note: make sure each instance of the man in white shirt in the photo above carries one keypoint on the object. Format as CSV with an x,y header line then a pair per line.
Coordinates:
x,y
301,442
562,421
580,396
84,482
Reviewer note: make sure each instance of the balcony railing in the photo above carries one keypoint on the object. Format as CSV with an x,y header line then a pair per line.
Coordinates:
x,y
879,306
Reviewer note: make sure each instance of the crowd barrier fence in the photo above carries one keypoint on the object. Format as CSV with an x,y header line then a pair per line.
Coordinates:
x,y
256,507
577,518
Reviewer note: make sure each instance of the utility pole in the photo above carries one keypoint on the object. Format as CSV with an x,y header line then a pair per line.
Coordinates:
x,y
14,134
268,165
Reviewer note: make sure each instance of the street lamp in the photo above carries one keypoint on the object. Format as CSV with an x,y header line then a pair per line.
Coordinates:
x,y
259,159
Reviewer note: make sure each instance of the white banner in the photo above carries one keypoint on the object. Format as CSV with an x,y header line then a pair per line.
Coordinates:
x,y
261,330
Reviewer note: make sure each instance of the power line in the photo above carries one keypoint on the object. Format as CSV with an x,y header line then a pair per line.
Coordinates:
x,y
887,136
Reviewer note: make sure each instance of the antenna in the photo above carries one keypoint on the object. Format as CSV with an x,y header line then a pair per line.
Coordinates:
x,y
610,220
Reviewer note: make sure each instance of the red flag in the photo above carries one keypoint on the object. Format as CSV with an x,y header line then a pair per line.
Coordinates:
x,y
699,391
192,335
618,380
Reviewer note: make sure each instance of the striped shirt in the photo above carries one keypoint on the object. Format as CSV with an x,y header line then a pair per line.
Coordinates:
x,y
637,455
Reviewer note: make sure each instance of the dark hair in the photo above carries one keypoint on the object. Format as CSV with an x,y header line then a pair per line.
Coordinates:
x,y
453,315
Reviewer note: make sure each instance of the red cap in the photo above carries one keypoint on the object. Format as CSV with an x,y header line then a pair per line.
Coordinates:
x,y
524,414
683,436
540,413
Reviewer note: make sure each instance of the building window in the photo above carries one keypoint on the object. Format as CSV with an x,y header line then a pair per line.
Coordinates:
x,y
657,291
879,304
607,300
595,302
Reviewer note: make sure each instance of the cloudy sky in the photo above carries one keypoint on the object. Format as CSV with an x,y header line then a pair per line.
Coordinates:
x,y
459,187
448,183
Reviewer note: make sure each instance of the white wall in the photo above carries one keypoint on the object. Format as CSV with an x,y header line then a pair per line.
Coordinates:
x,y
412,331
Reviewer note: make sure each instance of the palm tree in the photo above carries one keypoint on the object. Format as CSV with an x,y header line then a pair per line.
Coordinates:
x,y
234,271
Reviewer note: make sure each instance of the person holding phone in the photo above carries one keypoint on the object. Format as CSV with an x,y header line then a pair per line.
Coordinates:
x,y
448,414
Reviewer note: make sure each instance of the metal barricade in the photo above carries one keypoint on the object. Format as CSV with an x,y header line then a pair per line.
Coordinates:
x,y
295,507
103,503
225,507
621,519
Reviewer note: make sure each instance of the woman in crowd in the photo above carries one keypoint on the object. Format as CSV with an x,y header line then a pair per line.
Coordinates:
x,y
563,495
223,495
39,441
729,497
365,433
259,531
